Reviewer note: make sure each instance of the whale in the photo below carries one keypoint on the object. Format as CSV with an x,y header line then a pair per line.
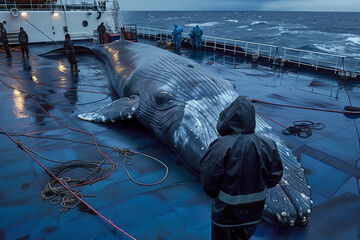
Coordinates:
x,y
179,101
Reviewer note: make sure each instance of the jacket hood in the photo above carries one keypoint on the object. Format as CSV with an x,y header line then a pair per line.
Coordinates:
x,y
238,117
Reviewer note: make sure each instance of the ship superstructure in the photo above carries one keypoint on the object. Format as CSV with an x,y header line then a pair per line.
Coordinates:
x,y
47,21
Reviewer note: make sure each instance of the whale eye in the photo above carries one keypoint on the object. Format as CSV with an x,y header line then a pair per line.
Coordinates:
x,y
159,100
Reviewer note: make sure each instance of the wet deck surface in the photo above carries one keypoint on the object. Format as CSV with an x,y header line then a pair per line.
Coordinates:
x,y
176,208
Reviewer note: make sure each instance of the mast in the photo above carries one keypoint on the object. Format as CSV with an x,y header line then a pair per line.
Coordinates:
x,y
117,16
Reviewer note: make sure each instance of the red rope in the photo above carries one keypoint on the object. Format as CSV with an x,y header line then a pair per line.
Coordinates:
x,y
271,119
20,145
76,130
308,108
67,187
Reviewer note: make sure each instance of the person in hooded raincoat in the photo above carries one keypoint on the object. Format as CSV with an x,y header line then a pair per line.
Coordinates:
x,y
236,172
70,52
4,40
177,36
101,30
24,41
192,38
198,35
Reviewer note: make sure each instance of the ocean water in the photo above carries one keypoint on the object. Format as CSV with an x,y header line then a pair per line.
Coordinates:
x,y
327,32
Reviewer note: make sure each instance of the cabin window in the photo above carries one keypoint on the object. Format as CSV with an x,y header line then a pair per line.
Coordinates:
x,y
85,23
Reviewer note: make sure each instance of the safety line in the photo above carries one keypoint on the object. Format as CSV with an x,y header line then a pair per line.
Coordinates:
x,y
49,85
52,103
70,128
58,43
307,108
19,144
271,119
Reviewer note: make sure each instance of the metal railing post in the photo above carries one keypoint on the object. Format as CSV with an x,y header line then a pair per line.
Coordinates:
x,y
215,45
246,47
224,45
336,67
270,53
235,48
299,63
356,60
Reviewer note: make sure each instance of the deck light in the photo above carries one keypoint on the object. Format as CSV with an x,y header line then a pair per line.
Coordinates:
x,y
24,14
56,14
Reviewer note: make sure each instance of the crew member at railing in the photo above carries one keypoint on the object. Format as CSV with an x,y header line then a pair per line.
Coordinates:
x,y
24,41
192,38
198,35
4,40
101,30
177,36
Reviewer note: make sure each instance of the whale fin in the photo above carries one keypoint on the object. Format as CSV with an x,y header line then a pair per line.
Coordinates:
x,y
121,109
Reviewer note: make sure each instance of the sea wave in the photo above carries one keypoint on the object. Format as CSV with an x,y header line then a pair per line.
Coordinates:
x,y
208,24
354,39
171,18
333,49
244,26
232,20
259,22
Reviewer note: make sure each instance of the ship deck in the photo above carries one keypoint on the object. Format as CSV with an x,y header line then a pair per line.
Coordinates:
x,y
176,208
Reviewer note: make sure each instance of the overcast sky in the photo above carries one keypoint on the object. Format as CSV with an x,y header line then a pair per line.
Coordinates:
x,y
243,5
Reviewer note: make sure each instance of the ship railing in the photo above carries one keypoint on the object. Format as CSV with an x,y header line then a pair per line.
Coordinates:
x,y
357,65
154,33
238,46
314,59
216,43
8,6
81,35
274,53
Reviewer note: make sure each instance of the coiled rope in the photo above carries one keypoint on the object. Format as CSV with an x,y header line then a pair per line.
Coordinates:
x,y
303,128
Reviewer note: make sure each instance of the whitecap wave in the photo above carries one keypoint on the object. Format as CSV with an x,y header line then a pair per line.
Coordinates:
x,y
333,49
232,20
354,39
171,18
244,26
208,24
259,22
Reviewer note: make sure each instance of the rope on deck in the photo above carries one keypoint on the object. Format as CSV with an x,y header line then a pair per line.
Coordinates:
x,y
307,108
20,145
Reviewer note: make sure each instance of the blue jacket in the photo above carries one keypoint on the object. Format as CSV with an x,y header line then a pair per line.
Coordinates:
x,y
239,167
177,31
198,31
3,34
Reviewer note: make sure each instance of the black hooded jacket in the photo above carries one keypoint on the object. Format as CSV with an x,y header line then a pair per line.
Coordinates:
x,y
239,167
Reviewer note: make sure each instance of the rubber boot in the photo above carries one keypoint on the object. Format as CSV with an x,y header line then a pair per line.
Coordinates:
x,y
76,69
